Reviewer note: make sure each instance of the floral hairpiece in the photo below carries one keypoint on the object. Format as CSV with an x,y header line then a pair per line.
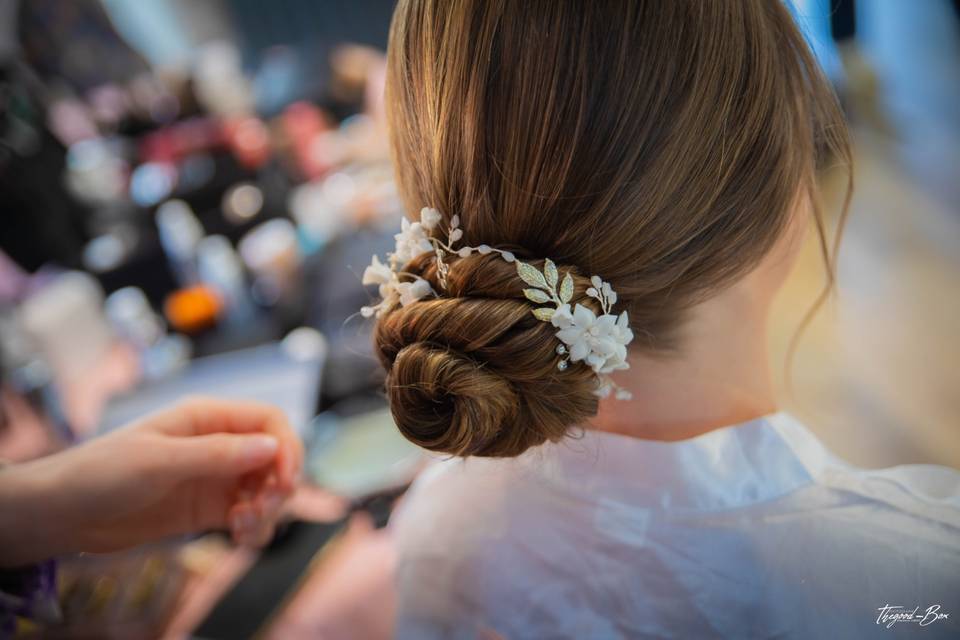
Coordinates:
x,y
599,341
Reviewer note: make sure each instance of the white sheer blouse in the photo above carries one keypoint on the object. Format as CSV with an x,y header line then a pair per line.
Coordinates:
x,y
750,531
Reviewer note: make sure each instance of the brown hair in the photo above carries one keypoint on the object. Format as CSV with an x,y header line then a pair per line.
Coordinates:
x,y
657,144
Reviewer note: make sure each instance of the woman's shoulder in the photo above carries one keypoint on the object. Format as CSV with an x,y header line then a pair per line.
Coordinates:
x,y
756,465
763,507
453,500
929,490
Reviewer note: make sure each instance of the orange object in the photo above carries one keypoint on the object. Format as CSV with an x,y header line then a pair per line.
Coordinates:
x,y
192,309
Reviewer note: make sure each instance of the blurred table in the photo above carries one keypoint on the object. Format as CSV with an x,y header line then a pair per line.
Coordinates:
x,y
267,373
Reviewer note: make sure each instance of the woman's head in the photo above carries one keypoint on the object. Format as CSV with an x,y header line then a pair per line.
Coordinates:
x,y
661,145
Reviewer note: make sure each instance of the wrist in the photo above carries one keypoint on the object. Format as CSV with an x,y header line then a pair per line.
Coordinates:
x,y
27,498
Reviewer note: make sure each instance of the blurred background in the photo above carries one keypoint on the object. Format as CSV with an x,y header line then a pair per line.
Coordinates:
x,y
190,190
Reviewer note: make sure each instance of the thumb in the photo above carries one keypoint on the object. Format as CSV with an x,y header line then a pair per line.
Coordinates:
x,y
224,454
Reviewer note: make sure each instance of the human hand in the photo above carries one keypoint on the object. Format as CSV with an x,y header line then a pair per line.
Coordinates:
x,y
203,464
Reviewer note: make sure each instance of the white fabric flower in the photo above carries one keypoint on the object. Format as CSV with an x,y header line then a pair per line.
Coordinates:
x,y
390,295
622,332
430,218
377,273
612,349
391,289
381,274
412,291
599,341
412,241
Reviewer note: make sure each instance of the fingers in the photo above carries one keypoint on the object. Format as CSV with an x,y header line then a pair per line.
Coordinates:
x,y
222,455
252,522
205,416
316,505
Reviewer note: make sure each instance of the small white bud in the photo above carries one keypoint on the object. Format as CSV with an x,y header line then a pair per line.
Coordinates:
x,y
484,249
456,234
464,252
509,257
430,217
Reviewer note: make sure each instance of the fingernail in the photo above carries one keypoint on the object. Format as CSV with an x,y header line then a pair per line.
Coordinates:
x,y
244,521
259,447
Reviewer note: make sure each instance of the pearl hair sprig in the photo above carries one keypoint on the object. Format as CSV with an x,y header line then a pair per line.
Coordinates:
x,y
600,341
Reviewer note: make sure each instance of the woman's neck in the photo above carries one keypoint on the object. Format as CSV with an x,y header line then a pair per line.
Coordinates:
x,y
721,376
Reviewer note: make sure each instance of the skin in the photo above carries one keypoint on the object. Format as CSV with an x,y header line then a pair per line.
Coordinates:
x,y
204,464
721,375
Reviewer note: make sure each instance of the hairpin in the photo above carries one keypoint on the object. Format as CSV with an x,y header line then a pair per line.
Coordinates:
x,y
599,341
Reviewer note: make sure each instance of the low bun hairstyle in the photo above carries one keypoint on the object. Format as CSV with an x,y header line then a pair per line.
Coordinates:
x,y
473,372
659,145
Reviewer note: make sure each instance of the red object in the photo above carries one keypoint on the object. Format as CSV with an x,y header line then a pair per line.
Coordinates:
x,y
249,140
172,143
303,125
